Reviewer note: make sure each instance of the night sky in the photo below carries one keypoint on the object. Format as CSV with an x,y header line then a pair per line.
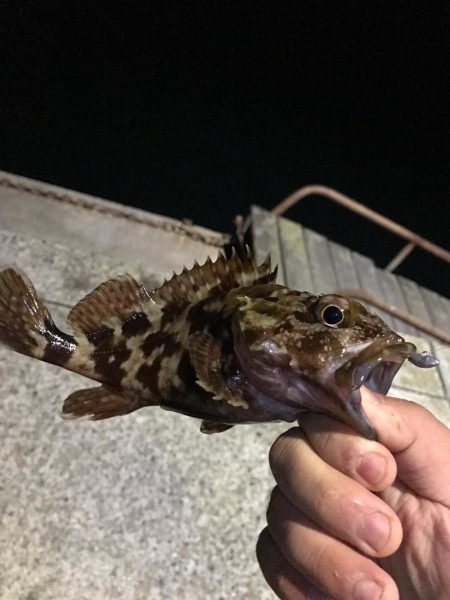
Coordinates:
x,y
199,109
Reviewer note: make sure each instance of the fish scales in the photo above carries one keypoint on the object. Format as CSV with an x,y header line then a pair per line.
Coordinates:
x,y
221,342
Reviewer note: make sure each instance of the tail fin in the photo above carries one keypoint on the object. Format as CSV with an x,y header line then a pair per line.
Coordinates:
x,y
25,323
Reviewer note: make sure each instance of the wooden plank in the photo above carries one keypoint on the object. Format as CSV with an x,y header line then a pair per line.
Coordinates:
x,y
443,354
368,278
441,351
320,262
266,239
438,311
445,303
413,298
393,294
295,256
344,267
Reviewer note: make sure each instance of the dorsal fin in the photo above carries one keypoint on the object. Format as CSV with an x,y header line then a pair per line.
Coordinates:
x,y
223,274
108,305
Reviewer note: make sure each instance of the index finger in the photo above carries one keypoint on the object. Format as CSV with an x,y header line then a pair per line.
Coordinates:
x,y
366,461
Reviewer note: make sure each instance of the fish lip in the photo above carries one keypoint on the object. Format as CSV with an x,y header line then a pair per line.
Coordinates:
x,y
356,416
377,366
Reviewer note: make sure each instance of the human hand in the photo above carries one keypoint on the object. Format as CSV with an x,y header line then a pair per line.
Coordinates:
x,y
355,519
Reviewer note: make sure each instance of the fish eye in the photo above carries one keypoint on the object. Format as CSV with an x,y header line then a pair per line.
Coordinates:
x,y
332,315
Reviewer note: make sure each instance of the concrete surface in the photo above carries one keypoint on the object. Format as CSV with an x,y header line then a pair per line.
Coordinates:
x,y
79,221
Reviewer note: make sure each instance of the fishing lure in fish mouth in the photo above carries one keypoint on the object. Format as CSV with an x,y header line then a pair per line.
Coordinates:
x,y
221,342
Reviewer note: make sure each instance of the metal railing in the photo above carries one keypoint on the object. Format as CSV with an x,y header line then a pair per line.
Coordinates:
x,y
413,239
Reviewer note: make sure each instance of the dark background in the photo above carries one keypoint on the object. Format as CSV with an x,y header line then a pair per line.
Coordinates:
x,y
198,109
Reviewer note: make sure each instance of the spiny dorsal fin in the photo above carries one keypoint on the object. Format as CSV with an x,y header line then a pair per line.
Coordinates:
x,y
109,305
223,274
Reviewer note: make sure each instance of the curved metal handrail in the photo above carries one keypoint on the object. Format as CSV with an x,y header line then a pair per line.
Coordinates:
x,y
413,238
395,311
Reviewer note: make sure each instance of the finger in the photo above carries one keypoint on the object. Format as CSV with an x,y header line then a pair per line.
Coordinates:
x,y
335,502
334,567
364,460
419,441
286,582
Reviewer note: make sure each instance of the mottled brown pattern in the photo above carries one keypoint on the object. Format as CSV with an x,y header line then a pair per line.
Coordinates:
x,y
147,375
171,312
198,315
160,339
109,365
221,342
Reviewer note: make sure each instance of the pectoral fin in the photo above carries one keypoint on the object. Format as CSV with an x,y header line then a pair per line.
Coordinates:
x,y
213,427
100,403
206,355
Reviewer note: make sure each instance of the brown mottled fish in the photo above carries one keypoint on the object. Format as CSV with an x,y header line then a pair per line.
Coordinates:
x,y
221,342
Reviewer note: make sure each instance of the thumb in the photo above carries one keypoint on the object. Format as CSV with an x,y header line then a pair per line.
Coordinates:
x,y
419,442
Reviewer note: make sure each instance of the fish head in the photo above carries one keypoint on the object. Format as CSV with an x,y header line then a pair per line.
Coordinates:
x,y
315,352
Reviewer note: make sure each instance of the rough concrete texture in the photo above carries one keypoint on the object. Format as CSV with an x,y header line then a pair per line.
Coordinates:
x,y
76,220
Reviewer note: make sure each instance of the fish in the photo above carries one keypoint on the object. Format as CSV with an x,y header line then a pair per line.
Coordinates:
x,y
221,342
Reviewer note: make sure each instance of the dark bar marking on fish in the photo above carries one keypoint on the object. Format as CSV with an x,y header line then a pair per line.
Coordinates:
x,y
148,376
159,339
109,365
60,346
200,316
171,311
98,336
197,315
185,371
136,324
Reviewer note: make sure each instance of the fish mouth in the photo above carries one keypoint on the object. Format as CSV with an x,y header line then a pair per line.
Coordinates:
x,y
334,390
375,368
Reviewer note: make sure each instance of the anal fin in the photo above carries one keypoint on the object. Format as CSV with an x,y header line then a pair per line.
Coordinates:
x,y
214,427
100,403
